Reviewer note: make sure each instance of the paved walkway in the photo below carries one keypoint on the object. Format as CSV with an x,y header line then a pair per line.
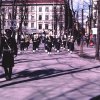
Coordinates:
x,y
59,76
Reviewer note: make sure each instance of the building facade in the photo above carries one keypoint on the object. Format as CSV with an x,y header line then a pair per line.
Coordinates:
x,y
95,13
34,14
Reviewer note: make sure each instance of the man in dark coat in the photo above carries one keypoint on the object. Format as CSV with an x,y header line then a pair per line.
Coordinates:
x,y
64,41
22,42
57,43
36,42
8,49
49,43
71,44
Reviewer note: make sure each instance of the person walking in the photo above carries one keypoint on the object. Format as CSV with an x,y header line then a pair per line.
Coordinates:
x,y
58,43
8,49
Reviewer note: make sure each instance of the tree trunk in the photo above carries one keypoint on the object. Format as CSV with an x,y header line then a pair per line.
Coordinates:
x,y
0,26
98,33
81,45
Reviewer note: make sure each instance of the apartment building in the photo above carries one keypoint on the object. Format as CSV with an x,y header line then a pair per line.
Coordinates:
x,y
41,15
95,13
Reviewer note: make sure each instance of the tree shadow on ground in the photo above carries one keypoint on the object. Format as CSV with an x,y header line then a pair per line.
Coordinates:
x,y
84,55
96,98
27,75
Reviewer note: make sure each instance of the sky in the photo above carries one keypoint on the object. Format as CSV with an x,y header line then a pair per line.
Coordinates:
x,y
78,5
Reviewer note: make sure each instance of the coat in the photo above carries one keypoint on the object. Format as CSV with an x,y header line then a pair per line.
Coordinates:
x,y
8,49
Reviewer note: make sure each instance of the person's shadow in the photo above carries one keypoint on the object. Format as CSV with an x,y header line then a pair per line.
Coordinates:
x,y
96,98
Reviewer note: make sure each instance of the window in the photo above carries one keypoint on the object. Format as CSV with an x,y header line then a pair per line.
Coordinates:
x,y
40,26
3,9
61,9
46,9
40,9
55,9
32,17
60,17
32,25
32,8
26,16
19,17
60,26
95,14
40,17
46,17
25,23
26,10
20,9
46,26
9,9
9,15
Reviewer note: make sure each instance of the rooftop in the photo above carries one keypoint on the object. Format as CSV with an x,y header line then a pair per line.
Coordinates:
x,y
35,1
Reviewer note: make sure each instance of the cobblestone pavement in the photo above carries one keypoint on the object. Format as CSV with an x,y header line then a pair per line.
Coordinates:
x,y
59,76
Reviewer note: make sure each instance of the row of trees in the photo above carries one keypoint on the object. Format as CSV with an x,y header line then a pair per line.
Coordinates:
x,y
69,22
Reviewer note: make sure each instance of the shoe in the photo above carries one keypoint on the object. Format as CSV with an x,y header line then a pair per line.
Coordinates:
x,y
8,78
33,51
58,51
45,50
68,50
61,47
71,52
55,49
37,49
19,52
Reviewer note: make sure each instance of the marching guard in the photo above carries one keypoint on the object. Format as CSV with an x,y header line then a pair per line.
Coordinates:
x,y
53,41
49,43
71,44
57,43
8,49
22,42
64,41
45,42
68,42
27,41
36,42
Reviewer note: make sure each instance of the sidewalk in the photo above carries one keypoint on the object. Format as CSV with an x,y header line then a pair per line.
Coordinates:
x,y
59,76
89,52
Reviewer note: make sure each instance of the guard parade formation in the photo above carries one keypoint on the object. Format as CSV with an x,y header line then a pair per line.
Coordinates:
x,y
50,42
11,46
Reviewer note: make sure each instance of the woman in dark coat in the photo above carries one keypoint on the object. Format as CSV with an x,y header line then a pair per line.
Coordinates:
x,y
9,49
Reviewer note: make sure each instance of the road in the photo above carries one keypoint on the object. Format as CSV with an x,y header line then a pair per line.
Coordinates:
x,y
59,76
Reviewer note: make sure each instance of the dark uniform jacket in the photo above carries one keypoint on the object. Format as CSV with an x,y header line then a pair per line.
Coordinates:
x,y
8,49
